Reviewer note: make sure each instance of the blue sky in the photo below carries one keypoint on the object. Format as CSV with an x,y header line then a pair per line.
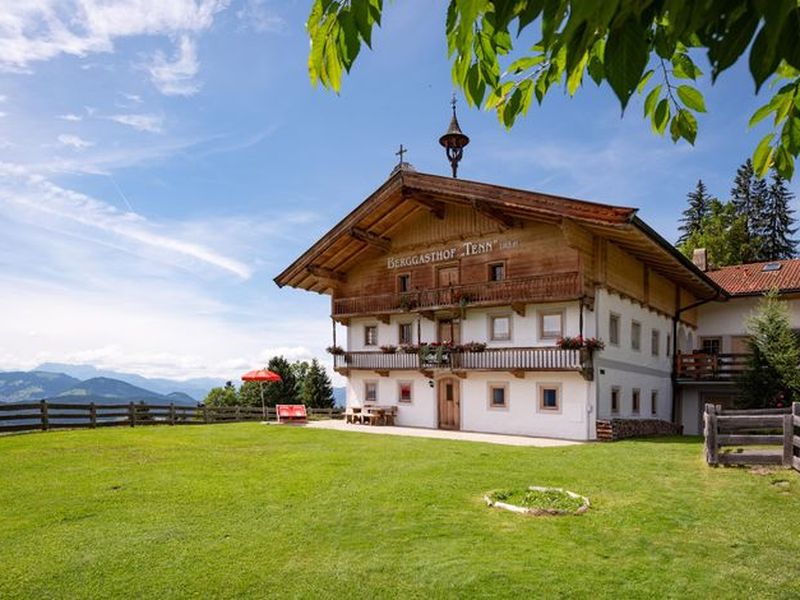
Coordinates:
x,y
161,162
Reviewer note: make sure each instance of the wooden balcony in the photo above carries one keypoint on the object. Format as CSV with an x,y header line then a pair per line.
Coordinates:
x,y
542,288
491,359
700,366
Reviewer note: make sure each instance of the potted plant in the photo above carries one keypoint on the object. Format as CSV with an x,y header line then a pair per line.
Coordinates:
x,y
473,347
409,348
335,350
389,349
570,343
593,343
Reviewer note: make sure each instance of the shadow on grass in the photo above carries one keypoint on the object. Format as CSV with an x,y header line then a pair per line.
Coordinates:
x,y
669,439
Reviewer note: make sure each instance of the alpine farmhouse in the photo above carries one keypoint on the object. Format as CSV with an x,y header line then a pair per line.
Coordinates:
x,y
453,295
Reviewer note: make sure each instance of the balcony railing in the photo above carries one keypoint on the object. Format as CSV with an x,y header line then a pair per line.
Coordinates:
x,y
491,359
700,366
557,286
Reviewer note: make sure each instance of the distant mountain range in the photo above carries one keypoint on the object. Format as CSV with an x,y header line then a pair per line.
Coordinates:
x,y
82,384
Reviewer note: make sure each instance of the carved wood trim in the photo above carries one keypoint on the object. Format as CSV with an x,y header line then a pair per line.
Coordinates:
x,y
505,221
325,273
376,241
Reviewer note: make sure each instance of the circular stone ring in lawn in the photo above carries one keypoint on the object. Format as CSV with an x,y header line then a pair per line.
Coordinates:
x,y
539,501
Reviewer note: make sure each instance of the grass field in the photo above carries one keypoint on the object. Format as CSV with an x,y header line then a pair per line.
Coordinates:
x,y
244,510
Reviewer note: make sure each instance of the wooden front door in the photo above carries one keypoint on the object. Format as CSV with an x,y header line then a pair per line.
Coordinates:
x,y
449,331
449,404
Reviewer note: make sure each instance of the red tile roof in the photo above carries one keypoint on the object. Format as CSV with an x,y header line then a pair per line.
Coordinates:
x,y
742,280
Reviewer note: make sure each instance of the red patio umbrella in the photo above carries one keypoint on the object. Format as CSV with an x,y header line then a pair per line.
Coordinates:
x,y
262,375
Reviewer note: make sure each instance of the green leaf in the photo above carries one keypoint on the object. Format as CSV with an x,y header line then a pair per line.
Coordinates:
x,y
784,163
674,129
650,101
692,98
760,114
661,116
762,157
596,70
687,125
684,68
645,78
576,76
625,58
790,136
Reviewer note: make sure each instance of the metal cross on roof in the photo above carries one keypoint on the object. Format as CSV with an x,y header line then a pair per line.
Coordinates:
x,y
400,153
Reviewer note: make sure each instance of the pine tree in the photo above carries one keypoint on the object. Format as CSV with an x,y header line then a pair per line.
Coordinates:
x,y
748,197
695,214
316,390
722,234
773,373
777,231
284,391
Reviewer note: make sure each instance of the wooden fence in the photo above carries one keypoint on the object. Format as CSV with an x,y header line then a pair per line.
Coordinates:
x,y
772,430
53,415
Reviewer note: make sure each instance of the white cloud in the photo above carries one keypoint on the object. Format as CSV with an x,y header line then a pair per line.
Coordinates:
x,y
176,77
70,117
73,141
257,15
3,114
150,123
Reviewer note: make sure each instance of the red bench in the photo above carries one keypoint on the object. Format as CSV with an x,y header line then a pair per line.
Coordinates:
x,y
291,413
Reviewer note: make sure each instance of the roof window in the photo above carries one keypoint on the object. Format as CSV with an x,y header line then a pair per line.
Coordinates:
x,y
773,266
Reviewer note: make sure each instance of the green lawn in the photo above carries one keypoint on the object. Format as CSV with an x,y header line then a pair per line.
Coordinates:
x,y
244,510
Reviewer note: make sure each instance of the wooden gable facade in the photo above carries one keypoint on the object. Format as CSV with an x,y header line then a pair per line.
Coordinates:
x,y
424,242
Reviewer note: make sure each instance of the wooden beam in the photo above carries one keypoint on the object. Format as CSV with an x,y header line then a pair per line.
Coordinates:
x,y
362,235
518,373
428,314
519,308
329,274
343,371
505,221
383,319
382,372
460,374
436,207
426,373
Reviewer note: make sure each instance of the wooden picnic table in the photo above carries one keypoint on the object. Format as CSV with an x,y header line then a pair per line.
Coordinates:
x,y
372,414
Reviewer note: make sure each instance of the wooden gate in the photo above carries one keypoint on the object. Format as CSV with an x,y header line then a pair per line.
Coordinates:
x,y
449,404
774,427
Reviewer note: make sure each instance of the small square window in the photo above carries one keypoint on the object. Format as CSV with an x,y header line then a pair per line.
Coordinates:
x,y
551,325
404,282
405,333
371,335
404,391
635,401
655,342
613,329
615,400
497,272
498,396
654,402
549,397
370,391
500,328
711,345
636,335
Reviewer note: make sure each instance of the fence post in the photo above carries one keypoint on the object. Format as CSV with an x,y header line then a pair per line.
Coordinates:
x,y
205,413
45,417
238,413
93,415
788,439
172,413
132,414
710,430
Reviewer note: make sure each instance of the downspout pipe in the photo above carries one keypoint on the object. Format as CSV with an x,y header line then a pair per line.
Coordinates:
x,y
719,295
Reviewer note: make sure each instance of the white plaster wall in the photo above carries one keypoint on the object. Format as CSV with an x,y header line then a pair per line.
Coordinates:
x,y
690,410
420,412
622,366
575,420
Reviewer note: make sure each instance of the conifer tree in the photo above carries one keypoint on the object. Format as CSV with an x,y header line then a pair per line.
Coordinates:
x,y
284,391
777,222
695,214
772,377
316,390
749,198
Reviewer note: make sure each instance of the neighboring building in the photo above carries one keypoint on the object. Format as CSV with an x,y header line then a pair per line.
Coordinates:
x,y
708,374
433,259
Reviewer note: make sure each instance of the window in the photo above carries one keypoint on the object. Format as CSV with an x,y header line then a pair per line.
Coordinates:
x,y
711,345
669,344
549,397
371,335
405,333
654,402
370,391
497,272
655,342
613,329
615,400
500,328
636,335
636,397
404,282
404,391
498,395
551,324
